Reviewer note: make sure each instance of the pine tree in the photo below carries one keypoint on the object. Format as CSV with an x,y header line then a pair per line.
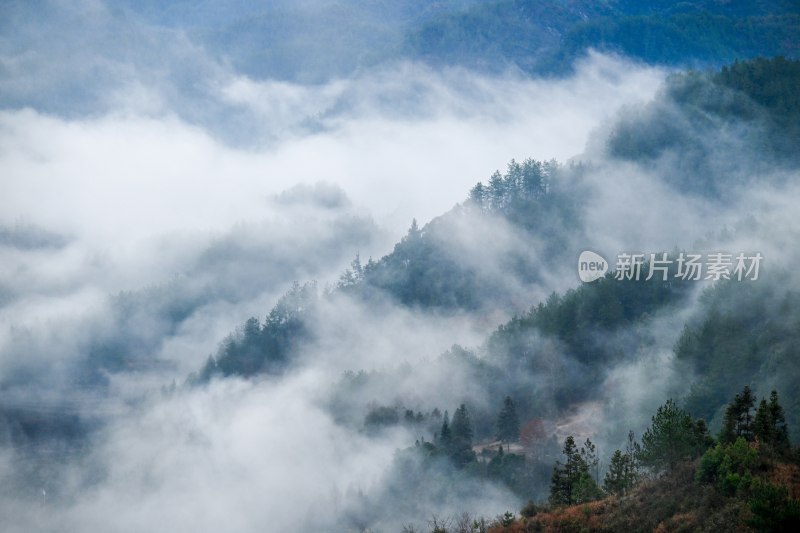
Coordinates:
x,y
769,425
571,481
513,179
634,452
445,435
703,438
566,476
616,480
748,401
497,192
778,421
587,489
739,418
208,370
532,179
461,440
589,456
671,438
623,472
728,432
478,195
762,424
508,422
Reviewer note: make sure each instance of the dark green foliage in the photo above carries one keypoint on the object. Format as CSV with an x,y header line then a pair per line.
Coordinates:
x,y
769,425
530,509
420,272
730,466
772,85
518,188
590,459
455,437
445,437
426,268
762,426
623,471
704,438
530,196
597,324
452,445
734,466
758,99
616,481
739,417
509,468
571,481
381,416
733,488
566,476
772,509
460,448
604,304
508,422
255,348
671,438
584,321
778,435
674,502
743,333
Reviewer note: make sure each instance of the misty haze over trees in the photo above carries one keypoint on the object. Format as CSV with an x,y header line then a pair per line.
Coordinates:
x,y
311,266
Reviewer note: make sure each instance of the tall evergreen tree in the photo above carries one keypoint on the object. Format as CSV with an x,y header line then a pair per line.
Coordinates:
x,y
478,195
590,458
497,192
461,441
769,425
634,451
623,472
571,481
778,421
508,422
566,475
445,434
762,423
739,417
616,480
532,179
671,438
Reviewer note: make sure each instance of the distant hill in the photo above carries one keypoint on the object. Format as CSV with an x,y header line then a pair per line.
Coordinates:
x,y
545,36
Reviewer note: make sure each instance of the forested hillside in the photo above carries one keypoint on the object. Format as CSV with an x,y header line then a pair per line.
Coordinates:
x,y
538,36
558,356
455,266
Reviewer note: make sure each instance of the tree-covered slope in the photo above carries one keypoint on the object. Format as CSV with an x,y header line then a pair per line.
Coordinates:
x,y
713,132
479,255
743,334
449,265
537,36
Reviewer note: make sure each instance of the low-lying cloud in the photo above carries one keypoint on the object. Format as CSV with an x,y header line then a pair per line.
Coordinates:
x,y
204,205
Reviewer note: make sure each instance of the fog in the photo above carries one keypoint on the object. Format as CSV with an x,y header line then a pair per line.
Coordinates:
x,y
154,195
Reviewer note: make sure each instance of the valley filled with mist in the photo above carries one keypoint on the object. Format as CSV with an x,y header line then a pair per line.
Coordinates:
x,y
314,266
